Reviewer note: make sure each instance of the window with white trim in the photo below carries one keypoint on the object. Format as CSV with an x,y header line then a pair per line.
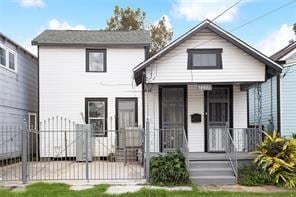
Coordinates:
x,y
7,58
96,114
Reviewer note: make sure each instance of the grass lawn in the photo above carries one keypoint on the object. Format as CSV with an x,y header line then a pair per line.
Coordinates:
x,y
62,190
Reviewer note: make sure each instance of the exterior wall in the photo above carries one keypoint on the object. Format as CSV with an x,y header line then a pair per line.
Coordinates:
x,y
288,98
18,97
237,65
18,89
195,104
269,103
64,84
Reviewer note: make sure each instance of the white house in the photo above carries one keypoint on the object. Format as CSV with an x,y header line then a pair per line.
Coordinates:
x,y
86,76
199,83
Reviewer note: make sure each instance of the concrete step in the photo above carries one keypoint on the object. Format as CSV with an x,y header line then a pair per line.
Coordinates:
x,y
213,180
209,164
211,172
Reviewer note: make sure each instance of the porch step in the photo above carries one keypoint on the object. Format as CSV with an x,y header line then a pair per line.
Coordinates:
x,y
209,164
213,180
212,172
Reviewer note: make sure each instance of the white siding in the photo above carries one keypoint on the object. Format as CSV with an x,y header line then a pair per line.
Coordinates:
x,y
64,83
240,117
237,65
196,131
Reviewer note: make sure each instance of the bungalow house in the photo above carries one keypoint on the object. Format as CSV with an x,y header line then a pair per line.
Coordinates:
x,y
199,83
192,97
18,95
279,95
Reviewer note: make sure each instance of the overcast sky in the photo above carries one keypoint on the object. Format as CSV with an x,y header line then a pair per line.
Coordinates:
x,y
22,20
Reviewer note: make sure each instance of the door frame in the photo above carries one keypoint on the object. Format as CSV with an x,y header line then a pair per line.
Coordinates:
x,y
160,87
230,87
117,99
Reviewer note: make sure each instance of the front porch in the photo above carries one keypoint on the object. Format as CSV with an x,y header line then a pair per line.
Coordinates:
x,y
208,123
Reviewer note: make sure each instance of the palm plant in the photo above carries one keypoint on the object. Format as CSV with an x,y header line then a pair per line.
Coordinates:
x,y
277,156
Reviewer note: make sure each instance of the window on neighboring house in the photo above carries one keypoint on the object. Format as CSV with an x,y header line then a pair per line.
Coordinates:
x,y
2,56
32,121
96,114
11,61
204,58
96,60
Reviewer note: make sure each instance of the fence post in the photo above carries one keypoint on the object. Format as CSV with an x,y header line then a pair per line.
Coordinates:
x,y
87,129
147,131
24,153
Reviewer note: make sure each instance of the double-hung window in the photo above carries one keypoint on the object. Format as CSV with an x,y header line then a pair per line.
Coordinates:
x,y
7,58
204,58
96,60
96,114
32,121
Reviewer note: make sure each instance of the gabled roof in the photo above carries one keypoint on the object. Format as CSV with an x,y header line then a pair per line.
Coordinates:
x,y
284,51
92,37
17,45
216,29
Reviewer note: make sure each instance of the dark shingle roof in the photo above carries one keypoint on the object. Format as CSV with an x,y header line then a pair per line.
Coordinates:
x,y
92,37
281,53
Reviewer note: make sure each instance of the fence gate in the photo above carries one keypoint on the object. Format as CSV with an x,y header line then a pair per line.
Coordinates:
x,y
63,150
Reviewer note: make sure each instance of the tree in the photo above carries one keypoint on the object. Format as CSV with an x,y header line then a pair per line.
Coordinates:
x,y
161,35
128,19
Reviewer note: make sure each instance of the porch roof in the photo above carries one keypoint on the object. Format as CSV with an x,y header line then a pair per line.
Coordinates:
x,y
272,65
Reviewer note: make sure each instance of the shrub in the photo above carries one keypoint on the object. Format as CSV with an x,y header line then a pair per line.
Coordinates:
x,y
169,169
294,135
277,156
252,175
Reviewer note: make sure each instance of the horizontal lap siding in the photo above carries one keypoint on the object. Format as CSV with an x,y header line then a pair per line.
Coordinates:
x,y
64,83
18,89
289,101
237,65
195,130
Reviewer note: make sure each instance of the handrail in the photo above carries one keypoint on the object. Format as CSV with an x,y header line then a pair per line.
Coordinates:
x,y
185,149
231,151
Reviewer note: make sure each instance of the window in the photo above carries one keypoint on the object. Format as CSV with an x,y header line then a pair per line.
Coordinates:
x,y
96,114
32,121
204,58
11,61
96,60
2,56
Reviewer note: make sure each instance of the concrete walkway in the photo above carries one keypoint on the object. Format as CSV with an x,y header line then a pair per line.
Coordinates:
x,y
241,188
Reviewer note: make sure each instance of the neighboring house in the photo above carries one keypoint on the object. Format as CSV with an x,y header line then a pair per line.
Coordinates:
x,y
86,77
199,82
279,95
19,93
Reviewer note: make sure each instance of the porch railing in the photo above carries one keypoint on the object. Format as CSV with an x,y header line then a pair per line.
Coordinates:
x,y
185,149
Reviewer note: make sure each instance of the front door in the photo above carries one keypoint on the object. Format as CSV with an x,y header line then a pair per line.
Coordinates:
x,y
172,117
126,117
218,117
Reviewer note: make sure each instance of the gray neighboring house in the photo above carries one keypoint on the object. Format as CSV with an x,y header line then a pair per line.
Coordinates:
x,y
278,95
19,91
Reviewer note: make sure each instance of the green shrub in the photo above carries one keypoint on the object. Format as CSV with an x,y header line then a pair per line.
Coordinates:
x,y
169,169
277,156
294,135
252,175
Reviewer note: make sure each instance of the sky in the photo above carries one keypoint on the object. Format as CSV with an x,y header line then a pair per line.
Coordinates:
x,y
22,20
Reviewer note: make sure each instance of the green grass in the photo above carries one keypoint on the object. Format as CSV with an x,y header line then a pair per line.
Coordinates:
x,y
62,190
